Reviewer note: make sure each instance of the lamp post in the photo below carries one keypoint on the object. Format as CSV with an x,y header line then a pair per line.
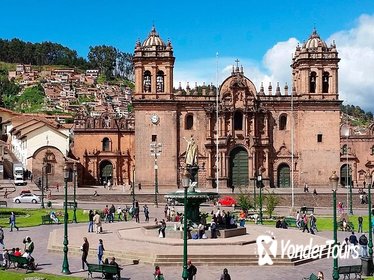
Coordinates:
x,y
75,195
42,189
350,192
133,185
65,264
334,185
369,179
259,185
185,184
156,149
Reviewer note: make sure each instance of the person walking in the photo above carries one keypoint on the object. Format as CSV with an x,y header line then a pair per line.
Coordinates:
x,y
119,214
146,212
192,270
136,212
2,237
305,223
100,251
12,221
363,241
97,222
90,221
360,220
84,248
161,230
225,275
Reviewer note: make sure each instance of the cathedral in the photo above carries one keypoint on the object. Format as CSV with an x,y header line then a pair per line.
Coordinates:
x,y
285,135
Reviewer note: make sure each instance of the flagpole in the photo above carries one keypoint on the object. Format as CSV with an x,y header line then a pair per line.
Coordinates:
x,y
292,153
217,118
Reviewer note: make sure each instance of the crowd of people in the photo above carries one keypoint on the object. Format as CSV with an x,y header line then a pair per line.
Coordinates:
x,y
28,249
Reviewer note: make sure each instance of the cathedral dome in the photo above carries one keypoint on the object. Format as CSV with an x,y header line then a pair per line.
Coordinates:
x,y
153,39
314,42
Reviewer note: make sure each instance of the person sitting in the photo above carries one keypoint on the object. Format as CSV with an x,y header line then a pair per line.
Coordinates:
x,y
95,194
157,274
6,258
284,224
54,217
201,230
315,192
31,265
278,224
113,262
320,275
17,253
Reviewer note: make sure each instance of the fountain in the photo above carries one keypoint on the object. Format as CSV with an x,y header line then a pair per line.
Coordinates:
x,y
195,197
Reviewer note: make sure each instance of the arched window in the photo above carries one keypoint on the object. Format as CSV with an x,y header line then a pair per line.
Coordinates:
x,y
312,82
160,81
147,81
106,144
325,82
344,149
238,120
282,122
189,122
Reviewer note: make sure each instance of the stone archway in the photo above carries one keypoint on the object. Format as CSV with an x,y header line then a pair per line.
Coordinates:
x,y
239,167
283,176
106,171
345,175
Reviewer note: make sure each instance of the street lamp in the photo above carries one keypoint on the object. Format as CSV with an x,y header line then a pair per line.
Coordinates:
x,y
74,196
334,185
65,264
42,189
133,185
156,149
350,191
369,179
259,185
185,184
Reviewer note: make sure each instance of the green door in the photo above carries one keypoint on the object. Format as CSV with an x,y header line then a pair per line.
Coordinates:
x,y
239,167
284,177
106,173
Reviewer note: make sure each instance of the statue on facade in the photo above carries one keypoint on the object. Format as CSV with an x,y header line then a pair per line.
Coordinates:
x,y
191,152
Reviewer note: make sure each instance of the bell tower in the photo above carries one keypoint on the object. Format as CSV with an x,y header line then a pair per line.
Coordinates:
x,y
315,69
153,64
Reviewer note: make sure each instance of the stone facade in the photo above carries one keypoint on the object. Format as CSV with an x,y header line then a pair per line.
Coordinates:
x,y
249,132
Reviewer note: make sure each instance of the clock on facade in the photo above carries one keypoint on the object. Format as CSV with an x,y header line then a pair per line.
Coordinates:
x,y
155,119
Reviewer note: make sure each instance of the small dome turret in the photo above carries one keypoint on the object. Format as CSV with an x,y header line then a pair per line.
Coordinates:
x,y
153,39
314,42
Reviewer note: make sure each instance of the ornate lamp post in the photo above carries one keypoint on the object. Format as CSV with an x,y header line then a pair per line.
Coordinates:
x,y
65,264
334,185
369,179
42,189
133,185
185,184
75,194
156,149
259,185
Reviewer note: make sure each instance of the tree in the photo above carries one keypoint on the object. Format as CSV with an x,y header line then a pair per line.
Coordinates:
x,y
244,200
8,91
125,67
271,201
105,58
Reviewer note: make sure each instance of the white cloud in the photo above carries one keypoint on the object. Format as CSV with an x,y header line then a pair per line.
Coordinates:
x,y
356,68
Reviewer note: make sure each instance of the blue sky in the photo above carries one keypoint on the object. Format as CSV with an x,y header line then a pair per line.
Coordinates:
x,y
262,35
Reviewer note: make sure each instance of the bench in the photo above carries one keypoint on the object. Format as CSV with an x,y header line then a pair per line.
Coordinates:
x,y
350,269
71,204
311,277
291,221
20,261
307,210
104,269
3,203
46,219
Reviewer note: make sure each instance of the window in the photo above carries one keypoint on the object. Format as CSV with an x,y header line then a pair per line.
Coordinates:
x,y
325,82
344,150
160,81
154,138
147,81
319,138
372,150
282,122
48,168
189,122
106,144
238,120
312,82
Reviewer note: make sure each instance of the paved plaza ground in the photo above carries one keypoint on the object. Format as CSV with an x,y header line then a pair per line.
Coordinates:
x,y
51,261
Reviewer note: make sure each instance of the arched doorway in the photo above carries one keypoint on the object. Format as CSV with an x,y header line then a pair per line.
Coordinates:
x,y
106,171
284,178
345,177
239,167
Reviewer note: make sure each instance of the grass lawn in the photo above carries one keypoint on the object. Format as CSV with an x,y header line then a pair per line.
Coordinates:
x,y
32,217
12,275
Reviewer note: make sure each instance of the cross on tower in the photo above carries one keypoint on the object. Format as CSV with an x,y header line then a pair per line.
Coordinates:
x,y
237,63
